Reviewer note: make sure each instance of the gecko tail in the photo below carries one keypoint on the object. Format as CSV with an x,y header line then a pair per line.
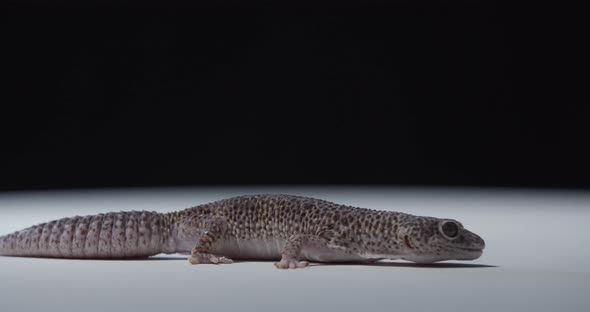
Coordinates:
x,y
9,243
6,243
114,235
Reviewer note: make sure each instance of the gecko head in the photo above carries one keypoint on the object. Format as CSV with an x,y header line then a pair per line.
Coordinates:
x,y
443,239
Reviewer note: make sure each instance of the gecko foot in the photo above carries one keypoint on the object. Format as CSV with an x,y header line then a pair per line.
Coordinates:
x,y
291,264
204,258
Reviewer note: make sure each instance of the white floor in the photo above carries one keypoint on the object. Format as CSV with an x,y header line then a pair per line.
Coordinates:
x,y
535,258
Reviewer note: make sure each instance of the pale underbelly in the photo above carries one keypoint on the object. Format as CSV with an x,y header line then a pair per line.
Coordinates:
x,y
270,249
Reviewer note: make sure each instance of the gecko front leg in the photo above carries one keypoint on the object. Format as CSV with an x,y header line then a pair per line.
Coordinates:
x,y
292,251
212,230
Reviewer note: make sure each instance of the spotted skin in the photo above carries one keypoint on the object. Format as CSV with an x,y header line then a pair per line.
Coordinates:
x,y
291,229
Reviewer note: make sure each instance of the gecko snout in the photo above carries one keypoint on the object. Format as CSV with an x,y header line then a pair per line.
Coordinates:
x,y
479,242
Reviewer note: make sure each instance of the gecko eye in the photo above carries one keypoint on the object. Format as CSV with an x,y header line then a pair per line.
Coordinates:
x,y
449,229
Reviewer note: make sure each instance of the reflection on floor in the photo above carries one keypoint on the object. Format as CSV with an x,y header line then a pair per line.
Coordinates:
x,y
535,258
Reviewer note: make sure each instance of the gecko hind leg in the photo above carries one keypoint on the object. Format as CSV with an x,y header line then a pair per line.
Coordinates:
x,y
213,229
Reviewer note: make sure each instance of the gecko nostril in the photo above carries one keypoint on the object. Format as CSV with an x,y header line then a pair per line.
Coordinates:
x,y
478,241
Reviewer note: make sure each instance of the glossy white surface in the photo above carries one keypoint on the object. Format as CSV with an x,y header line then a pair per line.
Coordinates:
x,y
535,258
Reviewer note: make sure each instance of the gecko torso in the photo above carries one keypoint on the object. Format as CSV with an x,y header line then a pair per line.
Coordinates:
x,y
294,229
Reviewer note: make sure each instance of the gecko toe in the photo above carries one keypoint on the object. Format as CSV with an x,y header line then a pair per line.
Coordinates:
x,y
224,260
291,264
193,260
203,258
302,264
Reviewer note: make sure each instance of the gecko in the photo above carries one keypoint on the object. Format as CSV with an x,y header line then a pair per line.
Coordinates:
x,y
291,230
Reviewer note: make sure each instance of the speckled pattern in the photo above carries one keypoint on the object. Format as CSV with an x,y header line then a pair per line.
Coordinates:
x,y
293,229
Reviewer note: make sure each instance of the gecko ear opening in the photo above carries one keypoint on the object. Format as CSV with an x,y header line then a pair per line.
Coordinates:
x,y
449,229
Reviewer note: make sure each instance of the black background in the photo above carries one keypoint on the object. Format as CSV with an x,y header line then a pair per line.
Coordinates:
x,y
247,92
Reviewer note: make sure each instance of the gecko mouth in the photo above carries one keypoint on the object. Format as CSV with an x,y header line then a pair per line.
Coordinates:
x,y
469,253
470,249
